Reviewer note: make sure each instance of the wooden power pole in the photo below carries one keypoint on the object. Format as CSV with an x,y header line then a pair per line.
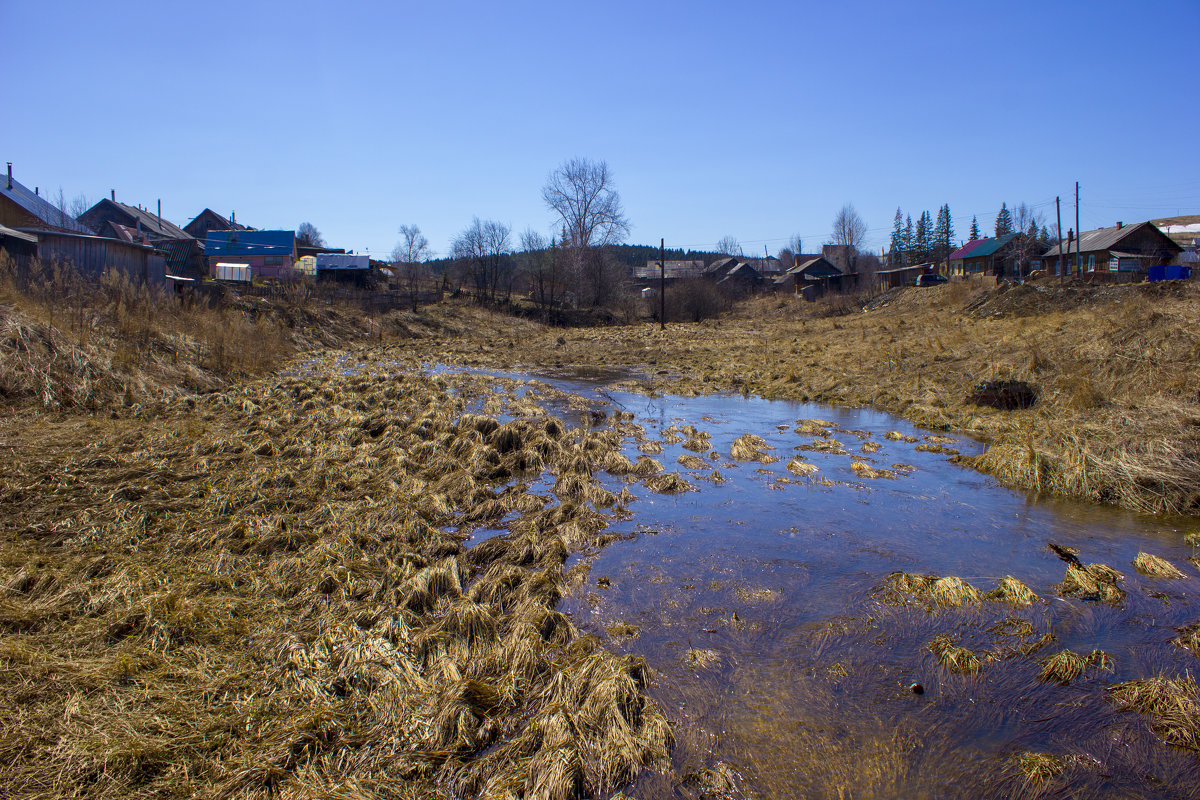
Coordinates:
x,y
1078,233
1058,218
662,284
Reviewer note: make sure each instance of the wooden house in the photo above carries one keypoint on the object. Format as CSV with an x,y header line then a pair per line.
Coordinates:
x,y
209,220
985,256
1123,252
110,218
22,208
812,278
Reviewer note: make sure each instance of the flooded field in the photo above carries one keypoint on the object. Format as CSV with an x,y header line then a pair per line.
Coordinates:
x,y
787,601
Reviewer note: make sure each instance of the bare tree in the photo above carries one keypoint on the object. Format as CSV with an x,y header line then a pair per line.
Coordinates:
x,y
848,227
1025,223
542,261
308,235
729,246
582,194
410,254
484,249
796,244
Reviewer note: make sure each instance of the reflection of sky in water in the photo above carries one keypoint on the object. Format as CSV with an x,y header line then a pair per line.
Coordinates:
x,y
753,567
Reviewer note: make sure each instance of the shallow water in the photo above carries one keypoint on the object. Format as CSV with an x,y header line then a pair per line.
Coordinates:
x,y
754,601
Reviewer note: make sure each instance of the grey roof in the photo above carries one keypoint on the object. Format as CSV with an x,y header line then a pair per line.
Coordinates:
x,y
152,225
39,207
15,234
1102,239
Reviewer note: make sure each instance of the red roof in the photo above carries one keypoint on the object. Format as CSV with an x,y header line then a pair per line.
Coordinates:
x,y
966,249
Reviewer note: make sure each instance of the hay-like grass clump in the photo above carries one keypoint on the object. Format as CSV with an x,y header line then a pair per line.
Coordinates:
x,y
1156,567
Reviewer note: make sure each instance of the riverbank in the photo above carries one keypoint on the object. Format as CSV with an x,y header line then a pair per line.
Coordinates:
x,y
1114,368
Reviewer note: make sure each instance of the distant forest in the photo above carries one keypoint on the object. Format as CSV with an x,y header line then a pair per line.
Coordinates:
x,y
630,255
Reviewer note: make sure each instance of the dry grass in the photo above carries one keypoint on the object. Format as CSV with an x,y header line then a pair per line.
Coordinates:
x,y
1172,704
669,483
262,596
1065,665
802,468
1114,368
1156,567
750,447
1094,582
954,658
1014,592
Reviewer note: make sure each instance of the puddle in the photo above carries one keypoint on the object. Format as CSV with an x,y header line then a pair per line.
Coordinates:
x,y
754,598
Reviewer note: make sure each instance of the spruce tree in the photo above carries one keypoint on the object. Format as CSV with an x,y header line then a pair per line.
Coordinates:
x,y
922,246
1044,238
974,229
1004,223
896,247
909,241
943,234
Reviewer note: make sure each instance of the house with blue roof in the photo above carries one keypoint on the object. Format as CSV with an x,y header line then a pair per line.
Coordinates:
x,y
268,254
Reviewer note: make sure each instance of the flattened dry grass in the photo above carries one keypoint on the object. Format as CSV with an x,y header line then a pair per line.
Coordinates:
x,y
953,657
1094,582
1156,567
1172,704
750,447
269,595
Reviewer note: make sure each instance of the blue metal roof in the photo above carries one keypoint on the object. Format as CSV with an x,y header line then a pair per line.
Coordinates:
x,y
250,243
39,207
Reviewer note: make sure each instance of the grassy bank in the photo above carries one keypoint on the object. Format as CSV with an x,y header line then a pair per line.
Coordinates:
x,y
1117,416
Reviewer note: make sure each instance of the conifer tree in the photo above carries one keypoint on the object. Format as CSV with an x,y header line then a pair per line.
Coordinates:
x,y
1044,238
909,242
1004,223
943,234
924,239
974,229
896,247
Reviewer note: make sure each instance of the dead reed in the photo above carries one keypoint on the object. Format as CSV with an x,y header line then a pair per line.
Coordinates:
x,y
1172,704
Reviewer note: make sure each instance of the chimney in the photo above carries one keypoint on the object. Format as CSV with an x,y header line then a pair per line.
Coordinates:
x,y
10,174
36,193
114,195
160,215
1119,224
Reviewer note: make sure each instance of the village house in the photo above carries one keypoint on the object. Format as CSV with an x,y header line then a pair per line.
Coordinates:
x,y
209,220
812,277
1120,253
675,270
35,228
984,256
260,254
733,275
136,225
22,208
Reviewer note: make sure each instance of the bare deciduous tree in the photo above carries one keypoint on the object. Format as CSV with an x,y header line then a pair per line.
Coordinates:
x,y
542,261
484,250
409,255
729,246
849,228
308,235
582,194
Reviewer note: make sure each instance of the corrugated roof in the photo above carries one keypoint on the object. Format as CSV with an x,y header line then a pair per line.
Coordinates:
x,y
152,226
250,243
28,237
1103,239
39,207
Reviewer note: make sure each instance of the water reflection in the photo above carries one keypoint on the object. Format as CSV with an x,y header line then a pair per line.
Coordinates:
x,y
753,599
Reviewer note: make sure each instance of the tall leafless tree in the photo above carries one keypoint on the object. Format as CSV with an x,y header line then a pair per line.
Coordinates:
x,y
484,249
308,235
729,246
848,228
542,261
409,255
582,194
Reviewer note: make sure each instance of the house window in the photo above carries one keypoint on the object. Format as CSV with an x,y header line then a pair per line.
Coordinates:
x,y
273,261
1091,262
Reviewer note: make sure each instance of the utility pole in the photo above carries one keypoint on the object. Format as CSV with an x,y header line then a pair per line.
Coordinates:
x,y
1058,219
1078,233
662,284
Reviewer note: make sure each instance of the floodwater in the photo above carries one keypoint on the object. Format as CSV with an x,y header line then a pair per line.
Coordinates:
x,y
755,600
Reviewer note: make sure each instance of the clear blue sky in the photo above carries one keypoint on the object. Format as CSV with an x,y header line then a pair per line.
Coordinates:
x,y
754,119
